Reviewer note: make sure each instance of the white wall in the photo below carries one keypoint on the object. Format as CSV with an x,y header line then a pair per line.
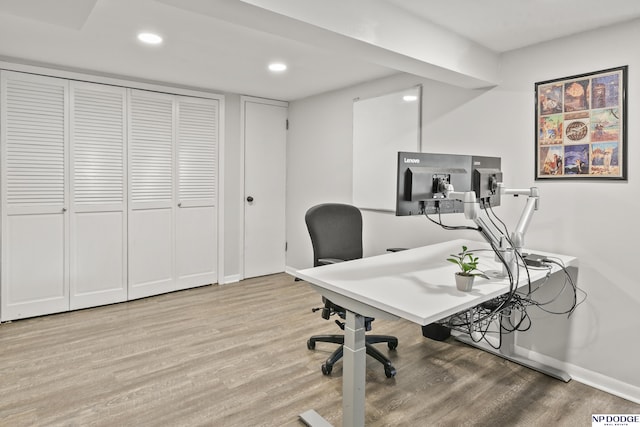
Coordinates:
x,y
233,207
593,220
319,164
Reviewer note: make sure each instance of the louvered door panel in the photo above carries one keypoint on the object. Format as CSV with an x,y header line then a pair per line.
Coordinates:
x,y
196,216
151,219
98,215
35,145
98,145
197,151
151,149
34,141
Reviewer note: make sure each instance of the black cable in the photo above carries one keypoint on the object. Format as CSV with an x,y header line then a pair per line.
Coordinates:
x,y
552,300
488,203
546,279
573,286
505,302
509,309
505,235
530,301
490,240
449,227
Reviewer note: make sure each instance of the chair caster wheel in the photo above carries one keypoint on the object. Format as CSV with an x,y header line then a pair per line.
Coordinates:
x,y
326,369
390,371
392,345
311,345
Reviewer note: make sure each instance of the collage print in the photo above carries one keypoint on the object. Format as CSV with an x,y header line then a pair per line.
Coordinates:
x,y
580,126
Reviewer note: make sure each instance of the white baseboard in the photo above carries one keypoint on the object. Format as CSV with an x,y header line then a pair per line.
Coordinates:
x,y
593,379
234,278
231,279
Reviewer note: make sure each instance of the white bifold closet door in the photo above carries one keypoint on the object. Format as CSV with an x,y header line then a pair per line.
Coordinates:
x,y
196,216
98,251
151,193
173,145
63,204
107,193
35,223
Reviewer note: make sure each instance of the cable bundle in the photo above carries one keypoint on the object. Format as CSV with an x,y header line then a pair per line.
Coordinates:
x,y
508,312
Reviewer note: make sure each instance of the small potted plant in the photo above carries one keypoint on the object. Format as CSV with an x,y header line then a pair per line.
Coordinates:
x,y
468,264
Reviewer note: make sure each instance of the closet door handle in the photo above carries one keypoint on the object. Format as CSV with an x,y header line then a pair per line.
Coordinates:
x,y
179,205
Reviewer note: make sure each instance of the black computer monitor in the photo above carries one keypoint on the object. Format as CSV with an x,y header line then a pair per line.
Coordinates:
x,y
422,179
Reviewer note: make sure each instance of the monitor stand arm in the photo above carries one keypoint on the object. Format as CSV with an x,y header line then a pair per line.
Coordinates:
x,y
489,231
472,212
533,202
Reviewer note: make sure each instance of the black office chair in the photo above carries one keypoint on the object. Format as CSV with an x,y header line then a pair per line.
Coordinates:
x,y
336,236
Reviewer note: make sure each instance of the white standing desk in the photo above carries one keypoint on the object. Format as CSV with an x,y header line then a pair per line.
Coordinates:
x,y
417,285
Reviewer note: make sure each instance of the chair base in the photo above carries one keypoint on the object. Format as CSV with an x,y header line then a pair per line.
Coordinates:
x,y
327,366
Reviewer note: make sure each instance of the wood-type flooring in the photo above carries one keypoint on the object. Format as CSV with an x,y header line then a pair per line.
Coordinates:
x,y
236,355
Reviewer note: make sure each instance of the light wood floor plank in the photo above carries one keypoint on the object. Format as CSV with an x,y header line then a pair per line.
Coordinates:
x,y
235,355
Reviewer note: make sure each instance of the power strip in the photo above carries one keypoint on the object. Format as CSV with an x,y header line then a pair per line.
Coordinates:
x,y
534,260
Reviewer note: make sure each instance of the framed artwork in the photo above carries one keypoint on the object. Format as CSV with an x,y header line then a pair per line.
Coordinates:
x,y
581,126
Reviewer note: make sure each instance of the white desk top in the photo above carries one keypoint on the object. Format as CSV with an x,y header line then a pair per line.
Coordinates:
x,y
416,284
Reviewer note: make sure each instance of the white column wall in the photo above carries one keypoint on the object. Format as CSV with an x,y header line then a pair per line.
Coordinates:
x,y
233,191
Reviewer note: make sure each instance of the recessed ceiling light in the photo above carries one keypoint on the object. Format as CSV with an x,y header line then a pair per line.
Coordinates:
x,y
410,98
277,67
149,38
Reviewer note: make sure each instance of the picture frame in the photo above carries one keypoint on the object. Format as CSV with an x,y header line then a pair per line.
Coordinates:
x,y
581,126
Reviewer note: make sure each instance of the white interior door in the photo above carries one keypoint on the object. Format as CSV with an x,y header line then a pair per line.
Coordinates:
x,y
265,136
151,194
196,215
98,253
35,222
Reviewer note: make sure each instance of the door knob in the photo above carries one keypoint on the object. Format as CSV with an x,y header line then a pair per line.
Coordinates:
x,y
250,199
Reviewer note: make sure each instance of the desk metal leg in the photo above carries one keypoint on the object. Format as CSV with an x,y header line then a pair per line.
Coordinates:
x,y
354,361
353,376
313,419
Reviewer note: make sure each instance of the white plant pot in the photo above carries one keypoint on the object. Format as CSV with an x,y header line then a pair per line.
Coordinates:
x,y
464,283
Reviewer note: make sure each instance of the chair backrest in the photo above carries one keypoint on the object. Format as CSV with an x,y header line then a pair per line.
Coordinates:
x,y
335,230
